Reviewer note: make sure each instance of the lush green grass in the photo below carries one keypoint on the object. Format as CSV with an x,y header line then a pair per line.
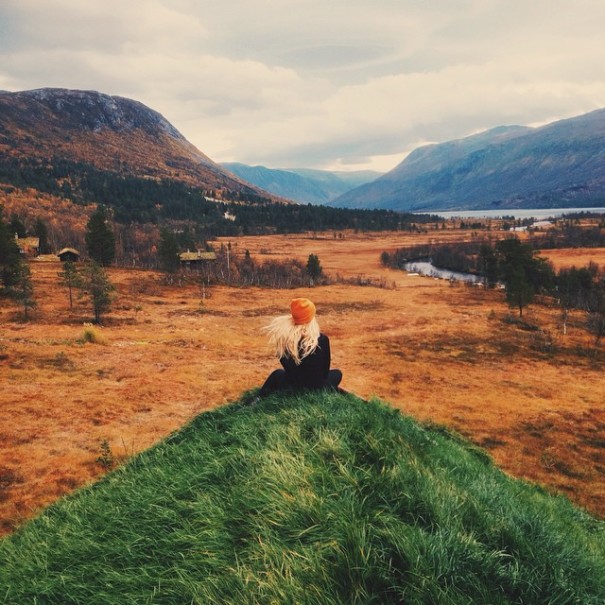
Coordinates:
x,y
316,499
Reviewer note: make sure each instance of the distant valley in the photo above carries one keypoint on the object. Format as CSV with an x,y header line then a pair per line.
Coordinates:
x,y
88,148
63,152
305,186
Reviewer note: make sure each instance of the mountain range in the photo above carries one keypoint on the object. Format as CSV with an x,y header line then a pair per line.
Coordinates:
x,y
303,185
66,139
561,164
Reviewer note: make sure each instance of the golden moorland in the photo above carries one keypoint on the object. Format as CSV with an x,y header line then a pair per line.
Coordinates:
x,y
443,353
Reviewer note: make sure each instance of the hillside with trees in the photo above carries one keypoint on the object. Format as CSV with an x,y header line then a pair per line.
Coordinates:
x,y
66,152
42,128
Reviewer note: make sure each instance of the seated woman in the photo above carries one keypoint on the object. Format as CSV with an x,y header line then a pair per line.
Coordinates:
x,y
304,352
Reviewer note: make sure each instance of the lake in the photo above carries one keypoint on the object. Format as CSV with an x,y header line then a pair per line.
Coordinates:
x,y
539,214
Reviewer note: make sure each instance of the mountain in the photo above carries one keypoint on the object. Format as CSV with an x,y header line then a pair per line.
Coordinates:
x,y
63,152
558,165
305,186
42,128
308,498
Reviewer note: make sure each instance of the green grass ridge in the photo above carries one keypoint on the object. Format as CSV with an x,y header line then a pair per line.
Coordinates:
x,y
310,498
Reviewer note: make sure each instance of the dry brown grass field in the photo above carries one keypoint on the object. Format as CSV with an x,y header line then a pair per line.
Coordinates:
x,y
444,353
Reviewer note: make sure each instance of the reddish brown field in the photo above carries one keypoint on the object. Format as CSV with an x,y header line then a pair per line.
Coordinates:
x,y
448,354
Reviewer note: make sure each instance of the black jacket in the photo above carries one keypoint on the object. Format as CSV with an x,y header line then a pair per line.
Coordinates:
x,y
312,372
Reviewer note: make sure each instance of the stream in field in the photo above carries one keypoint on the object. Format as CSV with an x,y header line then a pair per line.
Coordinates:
x,y
425,267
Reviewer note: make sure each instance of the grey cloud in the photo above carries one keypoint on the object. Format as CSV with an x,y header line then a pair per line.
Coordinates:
x,y
42,27
328,57
312,83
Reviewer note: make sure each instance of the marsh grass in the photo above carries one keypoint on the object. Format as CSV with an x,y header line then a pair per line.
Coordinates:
x,y
92,335
311,499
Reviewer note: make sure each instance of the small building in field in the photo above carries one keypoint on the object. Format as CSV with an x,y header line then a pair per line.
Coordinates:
x,y
28,246
196,259
68,255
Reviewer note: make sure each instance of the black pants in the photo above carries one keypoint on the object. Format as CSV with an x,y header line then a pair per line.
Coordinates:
x,y
278,380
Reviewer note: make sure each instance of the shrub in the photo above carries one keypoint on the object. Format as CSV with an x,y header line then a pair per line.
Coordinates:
x,y
93,335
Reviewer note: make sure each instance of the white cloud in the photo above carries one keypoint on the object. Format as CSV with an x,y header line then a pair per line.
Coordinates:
x,y
310,83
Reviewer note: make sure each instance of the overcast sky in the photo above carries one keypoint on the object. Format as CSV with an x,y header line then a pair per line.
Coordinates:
x,y
334,84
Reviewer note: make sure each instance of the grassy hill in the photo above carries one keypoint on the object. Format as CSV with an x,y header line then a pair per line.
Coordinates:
x,y
310,499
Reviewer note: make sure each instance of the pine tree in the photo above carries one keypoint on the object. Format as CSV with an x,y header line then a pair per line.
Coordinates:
x,y
95,283
17,227
23,291
519,292
100,238
488,265
70,278
596,310
41,232
523,274
314,270
10,259
168,251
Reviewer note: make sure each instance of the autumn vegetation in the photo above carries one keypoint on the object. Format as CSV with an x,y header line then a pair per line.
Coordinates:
x,y
87,388
529,391
465,464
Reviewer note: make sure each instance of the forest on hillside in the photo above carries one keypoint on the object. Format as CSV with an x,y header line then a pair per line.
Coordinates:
x,y
144,200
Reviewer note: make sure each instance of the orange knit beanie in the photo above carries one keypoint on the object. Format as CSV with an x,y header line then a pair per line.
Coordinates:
x,y
303,310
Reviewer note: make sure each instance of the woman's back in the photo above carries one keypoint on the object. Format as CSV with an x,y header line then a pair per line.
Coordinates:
x,y
303,351
312,371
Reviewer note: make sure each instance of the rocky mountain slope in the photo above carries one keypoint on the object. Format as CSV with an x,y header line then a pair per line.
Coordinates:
x,y
113,134
558,165
305,186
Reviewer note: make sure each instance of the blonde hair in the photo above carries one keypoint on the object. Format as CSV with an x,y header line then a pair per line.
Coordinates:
x,y
293,340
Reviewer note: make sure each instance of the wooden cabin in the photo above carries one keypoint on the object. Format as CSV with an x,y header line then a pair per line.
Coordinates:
x,y
197,258
28,246
68,255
